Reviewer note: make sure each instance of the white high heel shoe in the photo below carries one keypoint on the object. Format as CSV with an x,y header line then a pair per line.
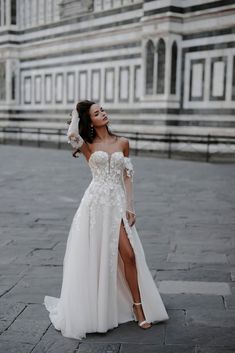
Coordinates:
x,y
142,322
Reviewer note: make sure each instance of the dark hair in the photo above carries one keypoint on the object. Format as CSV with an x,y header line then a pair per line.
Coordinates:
x,y
84,125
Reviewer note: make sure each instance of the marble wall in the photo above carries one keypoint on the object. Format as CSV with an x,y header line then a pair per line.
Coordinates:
x,y
151,63
33,13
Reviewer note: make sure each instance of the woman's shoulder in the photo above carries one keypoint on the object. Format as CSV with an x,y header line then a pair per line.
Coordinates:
x,y
123,140
124,143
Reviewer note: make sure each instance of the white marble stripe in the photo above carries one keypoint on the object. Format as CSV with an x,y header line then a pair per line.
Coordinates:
x,y
78,58
64,48
210,21
208,40
84,66
83,24
153,5
194,287
179,3
195,2
124,36
207,104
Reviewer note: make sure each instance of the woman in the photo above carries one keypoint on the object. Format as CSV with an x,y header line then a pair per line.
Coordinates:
x,y
106,280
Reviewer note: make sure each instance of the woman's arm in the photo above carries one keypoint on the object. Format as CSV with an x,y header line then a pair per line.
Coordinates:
x,y
128,183
74,138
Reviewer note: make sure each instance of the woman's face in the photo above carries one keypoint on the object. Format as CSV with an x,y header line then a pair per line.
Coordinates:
x,y
98,116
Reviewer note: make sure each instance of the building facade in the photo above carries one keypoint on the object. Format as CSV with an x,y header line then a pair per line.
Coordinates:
x,y
154,65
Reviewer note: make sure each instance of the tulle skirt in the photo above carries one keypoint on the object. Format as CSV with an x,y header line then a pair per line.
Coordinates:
x,y
95,296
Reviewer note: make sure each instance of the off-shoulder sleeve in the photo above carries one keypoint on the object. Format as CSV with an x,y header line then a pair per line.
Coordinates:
x,y
129,167
128,183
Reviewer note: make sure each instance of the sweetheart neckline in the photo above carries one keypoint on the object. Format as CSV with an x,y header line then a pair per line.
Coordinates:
x,y
109,154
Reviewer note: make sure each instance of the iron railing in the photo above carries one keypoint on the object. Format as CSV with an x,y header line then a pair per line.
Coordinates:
x,y
166,143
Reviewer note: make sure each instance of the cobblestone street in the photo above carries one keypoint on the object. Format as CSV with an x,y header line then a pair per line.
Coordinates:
x,y
186,222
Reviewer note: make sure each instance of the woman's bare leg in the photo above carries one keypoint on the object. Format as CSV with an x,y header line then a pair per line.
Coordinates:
x,y
128,257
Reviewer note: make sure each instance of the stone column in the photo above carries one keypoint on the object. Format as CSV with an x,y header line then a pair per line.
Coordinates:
x,y
167,67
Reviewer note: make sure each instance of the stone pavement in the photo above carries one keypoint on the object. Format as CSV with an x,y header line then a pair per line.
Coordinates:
x,y
186,222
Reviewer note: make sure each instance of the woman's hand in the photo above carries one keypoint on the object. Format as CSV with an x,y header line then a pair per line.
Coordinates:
x,y
74,140
131,217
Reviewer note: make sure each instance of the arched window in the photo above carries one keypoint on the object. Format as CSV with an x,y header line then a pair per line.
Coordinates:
x,y
149,60
173,67
161,50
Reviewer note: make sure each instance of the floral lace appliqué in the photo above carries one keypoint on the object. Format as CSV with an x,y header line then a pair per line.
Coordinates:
x,y
129,167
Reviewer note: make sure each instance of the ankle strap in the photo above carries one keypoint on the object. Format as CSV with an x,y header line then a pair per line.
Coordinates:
x,y
137,303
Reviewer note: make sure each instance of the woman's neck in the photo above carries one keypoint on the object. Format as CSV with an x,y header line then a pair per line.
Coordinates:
x,y
102,134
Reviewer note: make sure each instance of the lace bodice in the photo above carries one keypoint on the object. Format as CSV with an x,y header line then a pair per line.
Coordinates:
x,y
108,167
109,182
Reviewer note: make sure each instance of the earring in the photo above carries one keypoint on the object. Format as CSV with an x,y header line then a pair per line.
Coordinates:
x,y
91,131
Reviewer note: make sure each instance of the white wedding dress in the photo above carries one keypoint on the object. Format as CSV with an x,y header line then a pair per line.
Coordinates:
x,y
95,296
